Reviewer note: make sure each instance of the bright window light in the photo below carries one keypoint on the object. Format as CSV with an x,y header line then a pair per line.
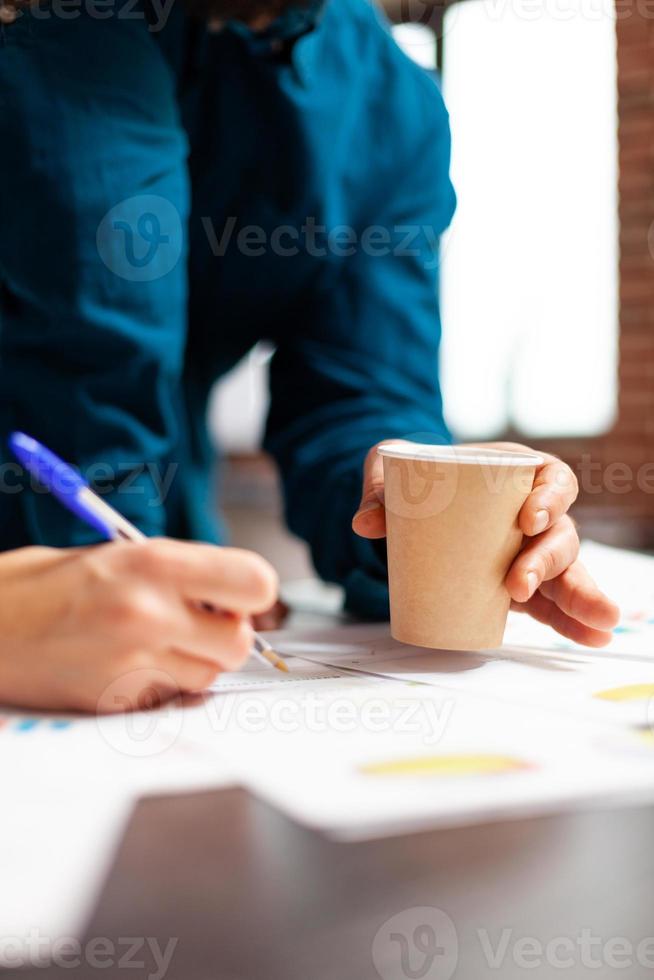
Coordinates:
x,y
530,266
239,403
418,41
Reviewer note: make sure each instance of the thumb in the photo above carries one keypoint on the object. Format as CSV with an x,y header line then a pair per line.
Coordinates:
x,y
370,519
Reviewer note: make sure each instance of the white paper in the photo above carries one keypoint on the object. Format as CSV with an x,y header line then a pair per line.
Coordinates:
x,y
314,758
610,689
69,785
627,577
253,676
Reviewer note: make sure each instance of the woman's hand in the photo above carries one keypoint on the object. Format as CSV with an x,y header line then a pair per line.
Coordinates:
x,y
546,579
101,629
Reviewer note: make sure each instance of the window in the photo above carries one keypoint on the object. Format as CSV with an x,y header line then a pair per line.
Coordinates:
x,y
530,266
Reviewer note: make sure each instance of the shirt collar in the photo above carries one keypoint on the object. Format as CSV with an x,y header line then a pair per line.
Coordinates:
x,y
288,28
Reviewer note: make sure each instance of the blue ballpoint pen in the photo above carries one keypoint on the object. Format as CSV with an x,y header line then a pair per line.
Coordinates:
x,y
72,490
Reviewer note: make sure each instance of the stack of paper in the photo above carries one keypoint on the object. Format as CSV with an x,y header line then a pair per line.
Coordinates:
x,y
409,737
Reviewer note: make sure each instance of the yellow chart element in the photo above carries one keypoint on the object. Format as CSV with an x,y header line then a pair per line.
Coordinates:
x,y
631,692
447,765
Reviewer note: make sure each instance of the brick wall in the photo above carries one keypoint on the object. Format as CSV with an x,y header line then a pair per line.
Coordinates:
x,y
617,471
634,432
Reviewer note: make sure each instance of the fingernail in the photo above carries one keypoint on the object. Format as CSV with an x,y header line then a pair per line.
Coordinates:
x,y
532,583
368,507
541,521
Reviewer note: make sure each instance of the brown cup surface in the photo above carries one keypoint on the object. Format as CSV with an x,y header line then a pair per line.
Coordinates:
x,y
452,533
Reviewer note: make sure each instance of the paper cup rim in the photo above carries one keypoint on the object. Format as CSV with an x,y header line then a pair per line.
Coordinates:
x,y
467,455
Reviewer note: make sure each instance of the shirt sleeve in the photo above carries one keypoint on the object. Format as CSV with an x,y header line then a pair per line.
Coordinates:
x,y
359,363
92,265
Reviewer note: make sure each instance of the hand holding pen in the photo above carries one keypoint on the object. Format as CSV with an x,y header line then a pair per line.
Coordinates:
x,y
237,581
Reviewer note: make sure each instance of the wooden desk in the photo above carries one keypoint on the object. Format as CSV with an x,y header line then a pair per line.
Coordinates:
x,y
251,896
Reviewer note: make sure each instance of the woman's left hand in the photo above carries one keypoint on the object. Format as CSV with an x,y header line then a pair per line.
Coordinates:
x,y
546,580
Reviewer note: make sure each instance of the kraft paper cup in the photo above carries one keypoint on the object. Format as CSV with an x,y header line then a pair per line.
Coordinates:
x,y
452,534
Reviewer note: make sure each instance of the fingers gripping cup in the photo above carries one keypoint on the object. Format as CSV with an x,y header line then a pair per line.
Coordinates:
x,y
452,533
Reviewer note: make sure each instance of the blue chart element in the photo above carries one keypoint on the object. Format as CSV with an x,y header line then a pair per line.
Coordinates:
x,y
27,725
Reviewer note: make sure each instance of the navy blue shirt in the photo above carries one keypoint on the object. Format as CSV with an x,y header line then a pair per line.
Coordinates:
x,y
171,196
